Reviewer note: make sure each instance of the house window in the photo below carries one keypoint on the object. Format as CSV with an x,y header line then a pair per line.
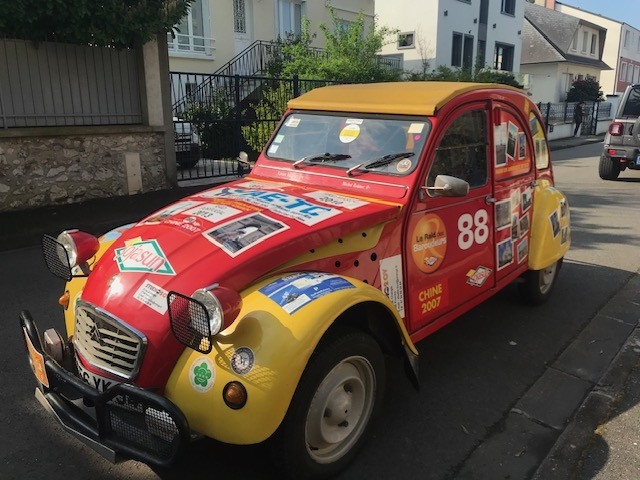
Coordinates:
x,y
503,57
627,38
636,74
462,50
630,74
574,42
190,35
509,7
639,43
585,39
406,40
239,16
592,50
623,72
289,15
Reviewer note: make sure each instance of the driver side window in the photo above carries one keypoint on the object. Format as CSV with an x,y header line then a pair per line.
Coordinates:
x,y
462,151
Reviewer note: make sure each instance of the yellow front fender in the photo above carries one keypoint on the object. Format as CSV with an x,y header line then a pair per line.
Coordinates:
x,y
266,349
550,230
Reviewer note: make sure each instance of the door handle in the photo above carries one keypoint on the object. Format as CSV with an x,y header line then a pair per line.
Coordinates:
x,y
489,200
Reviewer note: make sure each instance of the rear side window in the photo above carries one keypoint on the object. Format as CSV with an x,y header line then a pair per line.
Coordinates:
x,y
631,107
539,142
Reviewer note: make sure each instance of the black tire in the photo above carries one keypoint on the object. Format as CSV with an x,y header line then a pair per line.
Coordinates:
x,y
537,285
609,168
314,440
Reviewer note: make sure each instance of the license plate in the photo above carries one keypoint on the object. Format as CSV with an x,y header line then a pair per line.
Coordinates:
x,y
96,381
37,362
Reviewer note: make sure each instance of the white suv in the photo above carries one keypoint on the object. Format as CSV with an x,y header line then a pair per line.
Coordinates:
x,y
622,141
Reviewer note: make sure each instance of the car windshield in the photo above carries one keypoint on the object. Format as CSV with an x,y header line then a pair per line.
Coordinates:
x,y
389,145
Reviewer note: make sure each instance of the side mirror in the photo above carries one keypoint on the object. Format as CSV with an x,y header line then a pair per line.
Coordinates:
x,y
448,186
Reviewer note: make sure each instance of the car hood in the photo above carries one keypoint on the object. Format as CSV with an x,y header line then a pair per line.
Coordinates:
x,y
229,235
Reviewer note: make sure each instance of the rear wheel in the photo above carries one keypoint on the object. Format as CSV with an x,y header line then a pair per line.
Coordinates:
x,y
538,284
331,413
609,168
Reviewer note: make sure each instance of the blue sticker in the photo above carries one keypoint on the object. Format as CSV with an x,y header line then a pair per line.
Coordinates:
x,y
295,291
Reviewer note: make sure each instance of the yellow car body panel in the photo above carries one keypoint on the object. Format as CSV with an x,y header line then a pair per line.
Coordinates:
x,y
281,343
549,226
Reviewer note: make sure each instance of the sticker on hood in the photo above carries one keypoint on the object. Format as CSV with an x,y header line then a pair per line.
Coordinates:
x,y
290,206
238,235
336,200
143,257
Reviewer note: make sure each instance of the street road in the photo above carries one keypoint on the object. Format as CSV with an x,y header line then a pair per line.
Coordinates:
x,y
472,372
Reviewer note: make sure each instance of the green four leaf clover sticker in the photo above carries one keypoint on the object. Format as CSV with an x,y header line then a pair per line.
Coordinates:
x,y
202,374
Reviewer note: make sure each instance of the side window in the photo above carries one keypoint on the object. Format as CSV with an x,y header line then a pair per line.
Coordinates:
x,y
537,133
462,151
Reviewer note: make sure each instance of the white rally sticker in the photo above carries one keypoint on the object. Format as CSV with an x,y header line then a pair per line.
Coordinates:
x,y
213,213
392,286
152,296
336,200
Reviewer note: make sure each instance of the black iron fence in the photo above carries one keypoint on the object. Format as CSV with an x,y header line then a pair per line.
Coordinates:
x,y
554,113
233,113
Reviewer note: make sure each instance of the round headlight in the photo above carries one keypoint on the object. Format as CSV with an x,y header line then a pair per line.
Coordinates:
x,y
70,252
213,307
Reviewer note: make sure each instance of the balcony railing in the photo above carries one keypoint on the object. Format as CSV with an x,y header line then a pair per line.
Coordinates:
x,y
195,44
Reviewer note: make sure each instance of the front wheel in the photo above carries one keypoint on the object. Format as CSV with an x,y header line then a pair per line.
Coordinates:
x,y
537,285
331,412
609,168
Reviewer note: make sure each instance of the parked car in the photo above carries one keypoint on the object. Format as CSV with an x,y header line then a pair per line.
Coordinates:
x,y
263,309
187,142
622,141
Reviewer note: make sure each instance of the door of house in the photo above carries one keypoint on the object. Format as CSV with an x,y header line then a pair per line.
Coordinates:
x,y
242,27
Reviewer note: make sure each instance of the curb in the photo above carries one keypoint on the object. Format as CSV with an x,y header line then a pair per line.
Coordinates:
x,y
546,432
597,408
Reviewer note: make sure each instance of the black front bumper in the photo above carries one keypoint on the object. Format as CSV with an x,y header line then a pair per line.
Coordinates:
x,y
124,422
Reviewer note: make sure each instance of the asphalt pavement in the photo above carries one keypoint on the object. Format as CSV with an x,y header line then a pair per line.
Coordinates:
x,y
580,420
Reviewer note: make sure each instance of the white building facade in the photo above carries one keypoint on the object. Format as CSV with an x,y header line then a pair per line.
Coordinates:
x,y
454,33
215,31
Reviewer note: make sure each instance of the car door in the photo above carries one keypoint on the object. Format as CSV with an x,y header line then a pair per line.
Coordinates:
x,y
514,173
449,240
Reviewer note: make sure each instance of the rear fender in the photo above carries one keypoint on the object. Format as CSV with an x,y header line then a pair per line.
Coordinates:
x,y
550,230
267,349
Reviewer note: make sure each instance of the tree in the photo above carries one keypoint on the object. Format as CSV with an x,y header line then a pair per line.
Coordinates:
x,y
587,90
113,23
349,55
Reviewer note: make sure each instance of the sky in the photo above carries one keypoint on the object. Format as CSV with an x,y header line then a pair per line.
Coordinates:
x,y
627,11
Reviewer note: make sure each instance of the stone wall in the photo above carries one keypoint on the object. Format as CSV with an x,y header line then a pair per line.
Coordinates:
x,y
38,167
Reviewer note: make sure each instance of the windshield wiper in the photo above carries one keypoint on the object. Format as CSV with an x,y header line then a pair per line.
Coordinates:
x,y
321,158
387,159
380,162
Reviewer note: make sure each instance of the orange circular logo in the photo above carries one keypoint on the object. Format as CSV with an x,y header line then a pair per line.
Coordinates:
x,y
429,243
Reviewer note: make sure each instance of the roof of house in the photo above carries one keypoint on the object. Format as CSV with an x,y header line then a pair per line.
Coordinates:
x,y
408,98
547,36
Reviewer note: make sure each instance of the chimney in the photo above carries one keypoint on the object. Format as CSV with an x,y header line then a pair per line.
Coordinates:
x,y
551,4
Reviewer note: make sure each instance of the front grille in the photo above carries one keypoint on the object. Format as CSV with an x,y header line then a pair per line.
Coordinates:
x,y
106,342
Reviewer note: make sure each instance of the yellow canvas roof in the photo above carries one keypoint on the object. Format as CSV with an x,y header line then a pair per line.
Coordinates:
x,y
409,98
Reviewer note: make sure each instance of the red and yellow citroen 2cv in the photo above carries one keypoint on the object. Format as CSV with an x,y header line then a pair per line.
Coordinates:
x,y
262,309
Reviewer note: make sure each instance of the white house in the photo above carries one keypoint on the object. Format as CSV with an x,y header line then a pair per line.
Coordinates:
x,y
216,31
454,33
621,49
557,50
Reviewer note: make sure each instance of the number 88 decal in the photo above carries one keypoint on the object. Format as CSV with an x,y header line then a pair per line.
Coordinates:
x,y
473,228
